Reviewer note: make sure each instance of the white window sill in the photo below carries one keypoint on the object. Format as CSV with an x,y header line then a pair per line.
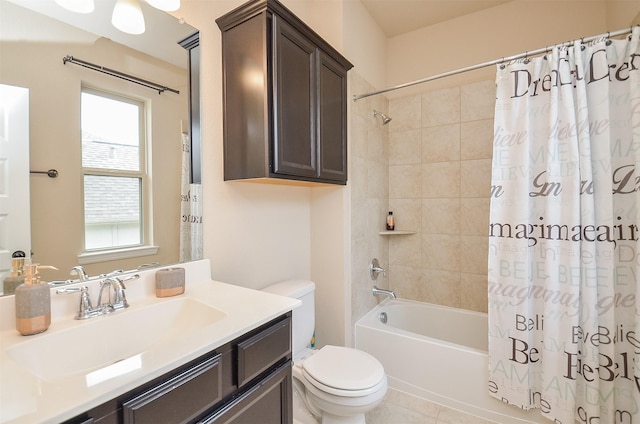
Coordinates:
x,y
116,254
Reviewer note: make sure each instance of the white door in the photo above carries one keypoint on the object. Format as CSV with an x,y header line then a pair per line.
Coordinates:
x,y
15,214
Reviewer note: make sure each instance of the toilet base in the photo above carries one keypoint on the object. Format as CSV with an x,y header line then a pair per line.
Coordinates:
x,y
301,414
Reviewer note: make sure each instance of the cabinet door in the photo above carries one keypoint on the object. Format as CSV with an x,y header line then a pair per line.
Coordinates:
x,y
294,102
179,399
268,402
332,119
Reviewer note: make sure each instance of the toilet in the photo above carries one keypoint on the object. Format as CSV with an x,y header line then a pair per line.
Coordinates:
x,y
333,384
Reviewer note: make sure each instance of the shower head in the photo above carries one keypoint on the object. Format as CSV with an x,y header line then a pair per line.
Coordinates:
x,y
385,118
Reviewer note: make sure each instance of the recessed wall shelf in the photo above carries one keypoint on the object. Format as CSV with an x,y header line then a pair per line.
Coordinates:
x,y
396,233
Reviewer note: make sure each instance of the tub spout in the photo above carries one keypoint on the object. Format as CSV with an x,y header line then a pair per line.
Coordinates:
x,y
376,292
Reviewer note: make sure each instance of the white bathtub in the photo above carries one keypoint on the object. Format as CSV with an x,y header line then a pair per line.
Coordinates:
x,y
436,353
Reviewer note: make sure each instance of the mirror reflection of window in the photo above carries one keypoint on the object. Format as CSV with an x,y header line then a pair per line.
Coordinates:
x,y
114,170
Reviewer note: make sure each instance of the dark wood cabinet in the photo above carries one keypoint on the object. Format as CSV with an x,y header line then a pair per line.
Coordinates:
x,y
247,380
265,403
285,94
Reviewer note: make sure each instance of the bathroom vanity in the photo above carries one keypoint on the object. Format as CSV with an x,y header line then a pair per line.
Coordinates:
x,y
218,353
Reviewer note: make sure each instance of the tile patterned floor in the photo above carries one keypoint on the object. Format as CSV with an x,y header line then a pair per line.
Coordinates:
x,y
401,408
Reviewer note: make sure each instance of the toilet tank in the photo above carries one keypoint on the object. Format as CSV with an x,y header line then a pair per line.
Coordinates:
x,y
304,315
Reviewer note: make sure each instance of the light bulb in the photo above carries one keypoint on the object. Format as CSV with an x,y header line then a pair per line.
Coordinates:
x,y
127,17
166,5
78,6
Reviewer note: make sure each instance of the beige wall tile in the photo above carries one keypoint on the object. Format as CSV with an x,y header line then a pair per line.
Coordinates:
x,y
368,186
377,145
441,287
476,139
474,250
405,113
405,147
441,216
441,180
441,143
377,184
406,281
473,295
407,213
405,250
441,252
357,141
441,107
477,101
475,178
474,216
404,182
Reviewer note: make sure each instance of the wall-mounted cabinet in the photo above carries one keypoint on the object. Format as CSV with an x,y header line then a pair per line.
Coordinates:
x,y
285,94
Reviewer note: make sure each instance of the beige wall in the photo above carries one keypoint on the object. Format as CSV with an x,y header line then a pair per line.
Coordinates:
x,y
505,30
56,204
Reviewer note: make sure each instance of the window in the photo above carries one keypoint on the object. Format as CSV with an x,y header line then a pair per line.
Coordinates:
x,y
114,171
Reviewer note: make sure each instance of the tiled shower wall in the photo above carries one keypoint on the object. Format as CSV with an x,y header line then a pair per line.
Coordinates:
x,y
440,147
369,191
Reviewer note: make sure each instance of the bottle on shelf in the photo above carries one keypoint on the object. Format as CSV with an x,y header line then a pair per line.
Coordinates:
x,y
390,222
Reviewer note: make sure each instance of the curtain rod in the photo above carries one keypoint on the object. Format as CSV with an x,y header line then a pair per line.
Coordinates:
x,y
154,86
485,64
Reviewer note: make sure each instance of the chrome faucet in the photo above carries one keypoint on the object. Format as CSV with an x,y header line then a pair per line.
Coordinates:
x,y
376,292
106,302
119,297
80,272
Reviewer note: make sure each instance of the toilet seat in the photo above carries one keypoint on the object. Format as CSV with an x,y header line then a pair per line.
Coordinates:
x,y
343,371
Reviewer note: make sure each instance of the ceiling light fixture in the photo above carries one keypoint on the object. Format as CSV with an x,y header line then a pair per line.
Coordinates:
x,y
166,5
78,6
127,17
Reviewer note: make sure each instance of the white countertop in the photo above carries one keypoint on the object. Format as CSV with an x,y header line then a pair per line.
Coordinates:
x,y
28,398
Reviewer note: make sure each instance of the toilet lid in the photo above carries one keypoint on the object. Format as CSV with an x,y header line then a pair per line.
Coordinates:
x,y
344,368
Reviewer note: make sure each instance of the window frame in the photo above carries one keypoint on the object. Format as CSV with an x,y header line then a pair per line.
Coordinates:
x,y
145,247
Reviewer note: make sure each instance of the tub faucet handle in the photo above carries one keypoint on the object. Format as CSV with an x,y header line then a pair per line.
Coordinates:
x,y
375,269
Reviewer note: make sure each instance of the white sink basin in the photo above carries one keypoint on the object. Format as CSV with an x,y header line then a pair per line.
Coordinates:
x,y
102,341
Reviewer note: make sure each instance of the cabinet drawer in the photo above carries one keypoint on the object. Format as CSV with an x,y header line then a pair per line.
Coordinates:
x,y
263,350
180,398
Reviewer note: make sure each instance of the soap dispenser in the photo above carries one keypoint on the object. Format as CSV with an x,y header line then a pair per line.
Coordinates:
x,y
33,302
16,278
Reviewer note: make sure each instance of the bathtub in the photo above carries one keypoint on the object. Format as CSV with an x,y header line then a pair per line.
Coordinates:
x,y
436,353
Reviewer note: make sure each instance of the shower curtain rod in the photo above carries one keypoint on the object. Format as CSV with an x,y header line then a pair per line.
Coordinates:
x,y
154,86
357,97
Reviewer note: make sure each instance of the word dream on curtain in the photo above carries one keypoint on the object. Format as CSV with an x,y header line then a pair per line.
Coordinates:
x,y
564,250
191,235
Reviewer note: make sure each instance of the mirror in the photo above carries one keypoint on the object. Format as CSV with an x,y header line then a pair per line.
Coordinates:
x,y
35,36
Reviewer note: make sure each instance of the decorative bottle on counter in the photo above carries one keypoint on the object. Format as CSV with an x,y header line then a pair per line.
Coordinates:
x,y
390,222
33,302
16,278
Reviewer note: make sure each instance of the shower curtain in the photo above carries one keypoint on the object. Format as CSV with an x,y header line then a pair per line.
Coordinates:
x,y
190,209
564,250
